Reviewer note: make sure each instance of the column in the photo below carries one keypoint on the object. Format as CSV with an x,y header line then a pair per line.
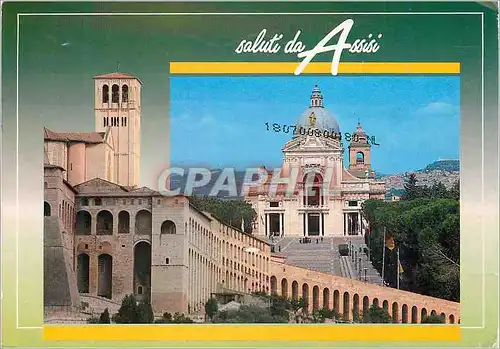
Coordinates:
x,y
267,225
282,220
345,224
307,224
323,224
360,231
321,233
304,223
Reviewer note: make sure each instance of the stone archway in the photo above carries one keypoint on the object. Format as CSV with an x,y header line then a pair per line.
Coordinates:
x,y
336,301
142,270
326,298
295,290
414,315
305,296
83,223
284,288
395,312
168,227
46,209
315,298
105,276
346,307
404,314
143,223
104,223
123,222
274,285
83,272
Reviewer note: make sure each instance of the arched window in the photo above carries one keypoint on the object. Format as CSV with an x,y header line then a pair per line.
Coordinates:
x,y
46,209
168,227
124,93
105,94
115,94
360,158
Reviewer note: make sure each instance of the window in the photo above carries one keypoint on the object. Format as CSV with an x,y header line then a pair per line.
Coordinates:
x,y
115,94
274,204
71,166
86,246
125,121
139,290
97,202
105,94
167,260
84,201
353,203
124,93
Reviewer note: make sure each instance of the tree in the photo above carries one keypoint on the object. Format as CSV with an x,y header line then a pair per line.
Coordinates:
x,y
211,308
128,312
411,188
298,306
376,315
433,319
427,233
145,313
104,318
134,312
230,212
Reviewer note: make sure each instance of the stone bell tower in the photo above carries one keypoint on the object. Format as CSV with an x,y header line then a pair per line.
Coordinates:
x,y
118,109
359,153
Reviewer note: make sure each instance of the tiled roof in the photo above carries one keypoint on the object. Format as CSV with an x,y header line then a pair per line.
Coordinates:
x,y
116,75
85,137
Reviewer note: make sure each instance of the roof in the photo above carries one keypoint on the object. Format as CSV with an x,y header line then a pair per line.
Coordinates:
x,y
46,165
117,75
84,137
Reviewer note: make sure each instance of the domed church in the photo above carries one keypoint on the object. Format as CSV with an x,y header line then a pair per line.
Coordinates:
x,y
327,196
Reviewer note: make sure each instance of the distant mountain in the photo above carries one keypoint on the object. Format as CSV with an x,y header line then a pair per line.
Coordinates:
x,y
444,171
443,165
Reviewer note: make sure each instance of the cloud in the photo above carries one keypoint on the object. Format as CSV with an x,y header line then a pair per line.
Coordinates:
x,y
438,108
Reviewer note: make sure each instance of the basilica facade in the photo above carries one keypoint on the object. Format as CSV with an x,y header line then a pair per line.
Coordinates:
x,y
327,196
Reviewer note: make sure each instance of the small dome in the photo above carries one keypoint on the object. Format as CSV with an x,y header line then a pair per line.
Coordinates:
x,y
317,116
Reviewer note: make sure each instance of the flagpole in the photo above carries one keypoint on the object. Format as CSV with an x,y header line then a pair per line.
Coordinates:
x,y
383,260
398,267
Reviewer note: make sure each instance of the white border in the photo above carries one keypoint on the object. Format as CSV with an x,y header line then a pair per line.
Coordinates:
x,y
483,286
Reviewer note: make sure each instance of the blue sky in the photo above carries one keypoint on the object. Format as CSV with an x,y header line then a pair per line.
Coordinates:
x,y
220,121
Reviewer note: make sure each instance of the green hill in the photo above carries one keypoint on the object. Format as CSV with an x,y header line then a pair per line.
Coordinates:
x,y
443,165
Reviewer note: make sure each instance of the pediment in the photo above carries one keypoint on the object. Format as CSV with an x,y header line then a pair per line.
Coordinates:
x,y
309,143
99,186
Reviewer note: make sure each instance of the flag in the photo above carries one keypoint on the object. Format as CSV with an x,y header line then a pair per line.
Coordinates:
x,y
389,242
401,270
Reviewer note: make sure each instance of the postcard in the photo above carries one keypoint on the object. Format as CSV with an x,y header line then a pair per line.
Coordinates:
x,y
246,174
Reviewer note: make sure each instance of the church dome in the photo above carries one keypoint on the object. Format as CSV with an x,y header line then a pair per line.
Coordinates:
x,y
317,116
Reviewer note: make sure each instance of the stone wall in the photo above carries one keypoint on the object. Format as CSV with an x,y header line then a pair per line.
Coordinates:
x,y
321,290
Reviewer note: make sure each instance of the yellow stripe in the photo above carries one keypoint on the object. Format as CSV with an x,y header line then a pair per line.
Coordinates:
x,y
269,332
312,68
